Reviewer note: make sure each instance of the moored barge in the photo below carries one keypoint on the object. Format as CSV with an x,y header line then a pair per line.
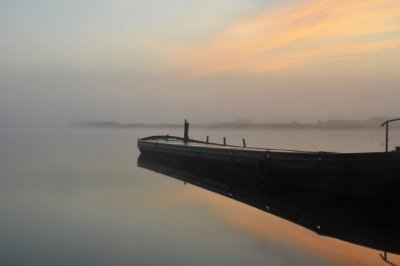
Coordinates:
x,y
373,174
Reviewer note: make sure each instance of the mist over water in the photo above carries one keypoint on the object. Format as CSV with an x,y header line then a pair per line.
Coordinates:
x,y
77,197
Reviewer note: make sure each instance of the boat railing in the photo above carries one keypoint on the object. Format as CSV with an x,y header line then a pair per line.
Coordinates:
x,y
207,142
386,123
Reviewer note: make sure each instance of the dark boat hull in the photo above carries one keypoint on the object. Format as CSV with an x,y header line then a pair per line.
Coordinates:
x,y
218,156
362,174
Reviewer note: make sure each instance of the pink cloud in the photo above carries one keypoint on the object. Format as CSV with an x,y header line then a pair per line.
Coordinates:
x,y
295,35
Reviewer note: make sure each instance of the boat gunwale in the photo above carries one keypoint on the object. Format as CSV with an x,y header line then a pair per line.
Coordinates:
x,y
210,144
257,149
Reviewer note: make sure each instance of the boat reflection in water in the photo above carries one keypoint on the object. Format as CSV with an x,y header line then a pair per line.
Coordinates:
x,y
369,222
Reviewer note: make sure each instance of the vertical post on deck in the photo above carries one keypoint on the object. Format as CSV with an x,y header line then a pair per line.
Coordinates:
x,y
387,137
186,132
207,139
386,123
244,142
224,141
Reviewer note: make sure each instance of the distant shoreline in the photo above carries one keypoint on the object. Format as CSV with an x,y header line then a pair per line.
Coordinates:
x,y
372,123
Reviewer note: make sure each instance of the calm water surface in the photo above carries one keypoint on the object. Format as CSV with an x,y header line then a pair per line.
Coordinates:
x,y
77,197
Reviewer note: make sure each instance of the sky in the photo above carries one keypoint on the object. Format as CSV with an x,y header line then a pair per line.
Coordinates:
x,y
208,61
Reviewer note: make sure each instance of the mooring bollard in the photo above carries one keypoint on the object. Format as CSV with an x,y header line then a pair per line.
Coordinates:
x,y
224,141
186,132
244,143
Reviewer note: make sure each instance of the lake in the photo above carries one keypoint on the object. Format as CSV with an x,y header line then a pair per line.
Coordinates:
x,y
77,197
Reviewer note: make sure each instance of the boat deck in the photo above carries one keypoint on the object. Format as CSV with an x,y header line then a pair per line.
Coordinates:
x,y
172,140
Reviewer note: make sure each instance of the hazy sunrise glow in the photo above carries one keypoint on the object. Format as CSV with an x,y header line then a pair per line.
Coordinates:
x,y
132,61
298,34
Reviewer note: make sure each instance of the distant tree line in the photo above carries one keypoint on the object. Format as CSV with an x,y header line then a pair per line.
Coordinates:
x,y
245,123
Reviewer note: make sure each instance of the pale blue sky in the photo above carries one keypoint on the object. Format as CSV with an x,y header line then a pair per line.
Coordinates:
x,y
45,32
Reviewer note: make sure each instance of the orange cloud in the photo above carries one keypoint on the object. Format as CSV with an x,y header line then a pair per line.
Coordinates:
x,y
295,35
